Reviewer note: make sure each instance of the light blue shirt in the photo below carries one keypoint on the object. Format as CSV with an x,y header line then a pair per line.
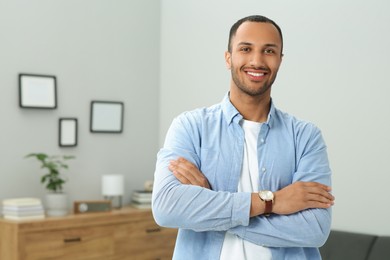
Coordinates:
x,y
289,150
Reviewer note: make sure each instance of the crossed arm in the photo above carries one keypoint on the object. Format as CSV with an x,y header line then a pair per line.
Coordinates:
x,y
293,198
302,209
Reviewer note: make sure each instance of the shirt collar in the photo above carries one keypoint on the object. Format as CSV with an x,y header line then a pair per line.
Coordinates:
x,y
233,115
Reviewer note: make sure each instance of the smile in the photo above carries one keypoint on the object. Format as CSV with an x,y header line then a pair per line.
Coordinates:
x,y
255,74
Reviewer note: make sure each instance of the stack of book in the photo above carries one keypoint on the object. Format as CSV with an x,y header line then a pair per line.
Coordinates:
x,y
141,199
23,209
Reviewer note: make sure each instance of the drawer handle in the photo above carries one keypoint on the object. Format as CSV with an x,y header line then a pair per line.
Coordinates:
x,y
153,230
72,240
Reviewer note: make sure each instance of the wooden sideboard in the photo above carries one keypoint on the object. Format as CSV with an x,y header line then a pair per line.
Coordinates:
x,y
127,233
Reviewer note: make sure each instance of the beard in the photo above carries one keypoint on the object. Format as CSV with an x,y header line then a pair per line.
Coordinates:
x,y
258,91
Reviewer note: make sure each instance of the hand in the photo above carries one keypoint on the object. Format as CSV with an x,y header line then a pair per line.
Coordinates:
x,y
188,173
302,195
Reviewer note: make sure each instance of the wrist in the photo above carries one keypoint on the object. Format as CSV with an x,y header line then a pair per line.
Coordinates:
x,y
257,205
275,208
267,197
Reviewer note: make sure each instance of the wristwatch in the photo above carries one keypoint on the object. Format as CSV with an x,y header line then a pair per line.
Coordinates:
x,y
268,197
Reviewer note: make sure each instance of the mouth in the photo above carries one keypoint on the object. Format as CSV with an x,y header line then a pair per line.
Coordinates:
x,y
256,75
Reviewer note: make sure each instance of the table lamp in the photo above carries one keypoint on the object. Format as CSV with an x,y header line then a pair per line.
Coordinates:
x,y
113,189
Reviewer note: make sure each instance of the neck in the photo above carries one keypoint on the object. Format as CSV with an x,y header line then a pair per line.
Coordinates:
x,y
252,108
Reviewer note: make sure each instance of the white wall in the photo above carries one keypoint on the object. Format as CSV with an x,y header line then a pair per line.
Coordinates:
x,y
98,50
334,74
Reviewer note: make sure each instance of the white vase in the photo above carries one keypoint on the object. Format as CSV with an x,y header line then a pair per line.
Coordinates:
x,y
56,204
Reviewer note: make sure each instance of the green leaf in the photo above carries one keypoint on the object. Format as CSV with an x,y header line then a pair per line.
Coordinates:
x,y
44,177
41,156
53,164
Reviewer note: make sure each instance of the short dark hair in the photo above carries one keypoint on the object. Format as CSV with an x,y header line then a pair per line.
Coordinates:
x,y
252,18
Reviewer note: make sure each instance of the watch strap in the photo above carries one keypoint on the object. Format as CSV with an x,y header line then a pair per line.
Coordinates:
x,y
268,207
268,198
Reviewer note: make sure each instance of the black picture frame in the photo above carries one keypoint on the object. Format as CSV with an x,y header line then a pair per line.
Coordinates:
x,y
37,91
67,132
106,116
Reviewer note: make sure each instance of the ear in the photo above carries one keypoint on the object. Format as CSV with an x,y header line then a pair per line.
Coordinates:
x,y
228,59
281,59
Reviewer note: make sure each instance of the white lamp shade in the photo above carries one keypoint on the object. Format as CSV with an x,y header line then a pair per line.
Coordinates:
x,y
112,185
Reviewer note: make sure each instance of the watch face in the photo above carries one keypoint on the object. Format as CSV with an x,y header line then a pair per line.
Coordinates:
x,y
266,195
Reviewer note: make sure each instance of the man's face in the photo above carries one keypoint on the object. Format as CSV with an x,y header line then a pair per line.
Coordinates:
x,y
255,58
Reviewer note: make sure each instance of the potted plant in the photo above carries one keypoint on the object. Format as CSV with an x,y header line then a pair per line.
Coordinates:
x,y
56,199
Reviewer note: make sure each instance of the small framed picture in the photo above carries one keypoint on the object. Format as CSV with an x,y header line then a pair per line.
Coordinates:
x,y
37,91
106,117
67,132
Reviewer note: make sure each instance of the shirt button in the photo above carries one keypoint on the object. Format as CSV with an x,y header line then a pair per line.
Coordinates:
x,y
263,169
262,140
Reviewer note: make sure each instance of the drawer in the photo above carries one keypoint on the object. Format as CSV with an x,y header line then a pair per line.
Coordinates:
x,y
145,240
95,242
126,234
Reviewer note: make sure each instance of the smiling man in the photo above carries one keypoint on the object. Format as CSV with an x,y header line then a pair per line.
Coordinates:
x,y
242,179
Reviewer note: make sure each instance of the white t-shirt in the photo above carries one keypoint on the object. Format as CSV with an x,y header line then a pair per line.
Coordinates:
x,y
234,247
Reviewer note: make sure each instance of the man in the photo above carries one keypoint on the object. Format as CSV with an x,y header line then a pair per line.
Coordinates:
x,y
241,179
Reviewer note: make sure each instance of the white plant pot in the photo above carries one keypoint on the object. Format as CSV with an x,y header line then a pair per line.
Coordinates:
x,y
56,204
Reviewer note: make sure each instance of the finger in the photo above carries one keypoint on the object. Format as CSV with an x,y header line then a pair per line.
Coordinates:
x,y
189,175
320,205
191,171
172,166
181,178
320,185
321,199
179,173
184,167
183,163
184,178
182,159
315,187
317,201
178,166
324,194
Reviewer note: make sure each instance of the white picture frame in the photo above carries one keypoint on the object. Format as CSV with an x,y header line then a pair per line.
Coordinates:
x,y
106,117
67,136
37,91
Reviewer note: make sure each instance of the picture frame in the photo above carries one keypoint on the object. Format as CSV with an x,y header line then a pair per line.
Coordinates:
x,y
37,91
67,135
106,117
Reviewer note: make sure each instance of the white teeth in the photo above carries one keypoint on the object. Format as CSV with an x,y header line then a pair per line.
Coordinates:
x,y
255,74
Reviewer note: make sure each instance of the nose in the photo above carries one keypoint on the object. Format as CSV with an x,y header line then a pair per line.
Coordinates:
x,y
257,59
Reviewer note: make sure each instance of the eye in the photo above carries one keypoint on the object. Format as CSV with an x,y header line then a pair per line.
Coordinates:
x,y
269,51
245,49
